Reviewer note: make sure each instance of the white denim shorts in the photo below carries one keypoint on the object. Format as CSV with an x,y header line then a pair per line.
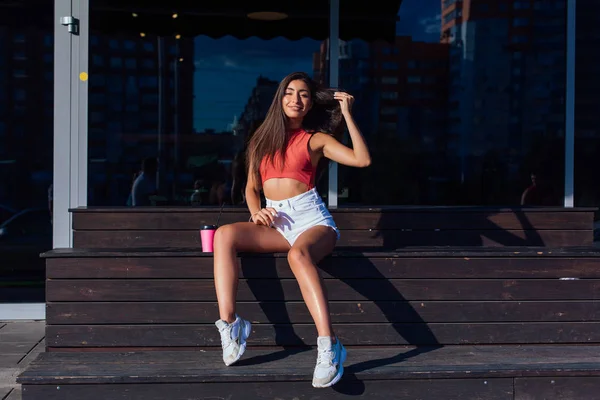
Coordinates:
x,y
300,213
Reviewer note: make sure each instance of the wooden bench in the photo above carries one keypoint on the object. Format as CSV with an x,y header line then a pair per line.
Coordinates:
x,y
493,323
366,228
104,299
507,308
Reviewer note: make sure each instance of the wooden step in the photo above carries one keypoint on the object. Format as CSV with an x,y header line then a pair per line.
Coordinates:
x,y
103,299
361,227
451,372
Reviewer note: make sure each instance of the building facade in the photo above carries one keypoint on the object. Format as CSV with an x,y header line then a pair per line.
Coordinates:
x,y
465,118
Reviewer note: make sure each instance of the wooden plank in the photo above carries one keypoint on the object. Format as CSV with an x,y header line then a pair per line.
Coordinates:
x,y
458,220
172,267
342,208
178,220
305,334
272,365
338,290
493,389
563,388
341,312
392,239
384,239
404,252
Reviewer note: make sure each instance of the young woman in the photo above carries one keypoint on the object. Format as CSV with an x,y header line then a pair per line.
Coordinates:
x,y
282,157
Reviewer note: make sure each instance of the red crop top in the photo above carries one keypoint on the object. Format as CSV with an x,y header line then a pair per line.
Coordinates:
x,y
298,164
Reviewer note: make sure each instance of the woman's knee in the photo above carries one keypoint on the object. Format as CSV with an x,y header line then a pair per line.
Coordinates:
x,y
298,256
225,236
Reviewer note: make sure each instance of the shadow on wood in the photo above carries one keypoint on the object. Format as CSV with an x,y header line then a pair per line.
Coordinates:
x,y
478,229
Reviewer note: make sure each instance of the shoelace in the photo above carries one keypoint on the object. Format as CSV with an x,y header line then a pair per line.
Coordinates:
x,y
225,336
325,357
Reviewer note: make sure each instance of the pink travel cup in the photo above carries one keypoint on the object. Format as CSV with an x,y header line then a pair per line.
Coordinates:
x,y
207,237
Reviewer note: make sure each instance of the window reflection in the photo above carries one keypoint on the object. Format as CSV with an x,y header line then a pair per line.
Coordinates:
x,y
189,103
26,142
462,109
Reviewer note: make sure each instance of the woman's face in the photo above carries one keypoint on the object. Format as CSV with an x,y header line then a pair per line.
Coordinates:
x,y
296,100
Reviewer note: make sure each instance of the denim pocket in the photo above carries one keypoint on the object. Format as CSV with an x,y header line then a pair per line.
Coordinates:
x,y
305,206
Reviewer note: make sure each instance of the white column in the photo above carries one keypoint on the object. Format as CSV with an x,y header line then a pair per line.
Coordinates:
x,y
61,220
334,56
569,200
70,117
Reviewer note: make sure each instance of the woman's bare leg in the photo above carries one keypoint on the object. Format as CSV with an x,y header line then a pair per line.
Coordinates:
x,y
231,239
310,248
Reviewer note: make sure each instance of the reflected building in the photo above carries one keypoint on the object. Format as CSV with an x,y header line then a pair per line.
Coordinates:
x,y
587,117
137,109
353,76
257,106
506,89
400,91
400,88
26,113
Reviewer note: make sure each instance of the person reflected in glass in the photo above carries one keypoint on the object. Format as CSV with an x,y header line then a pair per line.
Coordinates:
x,y
299,130
196,197
220,189
539,193
144,186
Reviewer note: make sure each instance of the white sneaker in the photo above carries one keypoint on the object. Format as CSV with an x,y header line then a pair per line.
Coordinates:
x,y
233,338
330,368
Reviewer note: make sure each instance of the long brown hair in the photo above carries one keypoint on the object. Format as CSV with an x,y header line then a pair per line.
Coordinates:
x,y
272,137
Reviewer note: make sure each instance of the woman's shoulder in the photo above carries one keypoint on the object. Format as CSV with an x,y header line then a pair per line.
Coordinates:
x,y
319,139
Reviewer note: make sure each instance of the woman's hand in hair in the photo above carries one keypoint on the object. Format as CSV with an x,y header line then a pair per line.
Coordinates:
x,y
346,102
265,216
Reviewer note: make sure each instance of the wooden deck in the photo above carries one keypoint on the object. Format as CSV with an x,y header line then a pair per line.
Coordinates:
x,y
451,372
131,319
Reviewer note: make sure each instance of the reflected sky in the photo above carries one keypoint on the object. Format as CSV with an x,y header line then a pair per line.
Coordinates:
x,y
226,69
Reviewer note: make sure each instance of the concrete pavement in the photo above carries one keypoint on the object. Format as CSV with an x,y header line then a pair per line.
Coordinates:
x,y
20,343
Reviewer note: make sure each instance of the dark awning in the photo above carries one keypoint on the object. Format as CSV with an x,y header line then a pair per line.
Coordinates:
x,y
308,18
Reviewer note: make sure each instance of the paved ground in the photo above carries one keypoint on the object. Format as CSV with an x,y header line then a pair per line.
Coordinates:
x,y
20,343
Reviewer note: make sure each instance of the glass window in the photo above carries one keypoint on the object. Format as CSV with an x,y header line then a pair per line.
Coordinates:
x,y
116,62
389,65
452,129
462,136
189,102
521,5
587,117
519,39
389,95
149,63
97,60
20,94
26,143
450,16
520,21
130,63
